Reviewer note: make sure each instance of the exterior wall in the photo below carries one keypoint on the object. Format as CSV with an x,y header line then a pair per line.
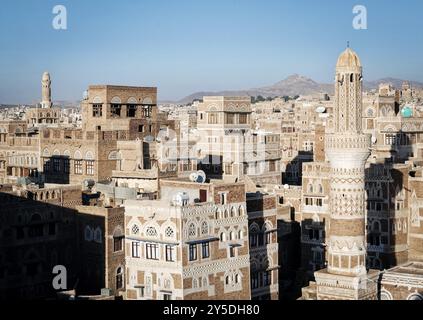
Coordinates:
x,y
37,233
187,229
263,246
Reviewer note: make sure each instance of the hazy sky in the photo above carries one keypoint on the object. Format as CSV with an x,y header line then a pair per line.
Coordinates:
x,y
183,46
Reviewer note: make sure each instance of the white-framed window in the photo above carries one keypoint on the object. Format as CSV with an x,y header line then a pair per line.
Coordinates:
x,y
135,249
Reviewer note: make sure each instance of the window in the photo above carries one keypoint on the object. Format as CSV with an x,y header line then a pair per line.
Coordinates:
x,y
268,237
167,296
141,291
141,128
117,243
272,165
78,167
135,229
223,198
267,278
97,110
254,280
223,237
116,108
212,118
169,233
237,278
169,253
204,228
66,165
205,249
131,110
191,230
90,167
119,278
56,165
230,118
192,252
319,202
228,168
46,165
152,250
242,118
151,232
232,252
135,249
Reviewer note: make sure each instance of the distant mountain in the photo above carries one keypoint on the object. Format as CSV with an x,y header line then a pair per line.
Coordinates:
x,y
292,86
397,83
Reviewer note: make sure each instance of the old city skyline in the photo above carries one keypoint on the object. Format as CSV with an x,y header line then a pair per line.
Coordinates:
x,y
316,194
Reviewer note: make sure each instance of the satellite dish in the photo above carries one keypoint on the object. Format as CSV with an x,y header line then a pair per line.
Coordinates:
x,y
286,186
201,178
320,109
193,177
89,183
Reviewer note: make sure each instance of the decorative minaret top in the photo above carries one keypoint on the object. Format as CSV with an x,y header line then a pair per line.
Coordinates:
x,y
348,93
46,91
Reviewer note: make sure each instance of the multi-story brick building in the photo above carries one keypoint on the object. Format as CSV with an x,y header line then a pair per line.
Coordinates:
x,y
190,244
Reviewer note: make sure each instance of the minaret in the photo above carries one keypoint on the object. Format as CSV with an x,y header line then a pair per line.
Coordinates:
x,y
347,149
46,91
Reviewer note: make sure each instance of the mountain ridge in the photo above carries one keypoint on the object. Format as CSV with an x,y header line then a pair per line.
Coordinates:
x,y
292,85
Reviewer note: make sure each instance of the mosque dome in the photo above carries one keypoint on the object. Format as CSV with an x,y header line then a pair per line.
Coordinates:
x,y
348,59
406,112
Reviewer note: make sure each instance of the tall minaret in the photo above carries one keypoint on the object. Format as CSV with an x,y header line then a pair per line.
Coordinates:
x,y
347,150
46,91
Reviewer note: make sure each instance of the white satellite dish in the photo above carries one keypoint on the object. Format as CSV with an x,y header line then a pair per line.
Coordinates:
x,y
320,109
201,176
193,177
286,186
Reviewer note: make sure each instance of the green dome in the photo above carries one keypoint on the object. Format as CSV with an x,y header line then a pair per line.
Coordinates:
x,y
407,112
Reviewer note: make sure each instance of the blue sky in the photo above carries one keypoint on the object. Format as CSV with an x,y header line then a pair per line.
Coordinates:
x,y
183,46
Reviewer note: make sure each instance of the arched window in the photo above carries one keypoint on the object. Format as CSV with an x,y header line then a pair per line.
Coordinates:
x,y
205,282
415,296
194,283
191,230
232,235
241,211
320,188
227,280
98,235
88,234
204,228
310,188
119,278
237,278
223,237
240,234
233,212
